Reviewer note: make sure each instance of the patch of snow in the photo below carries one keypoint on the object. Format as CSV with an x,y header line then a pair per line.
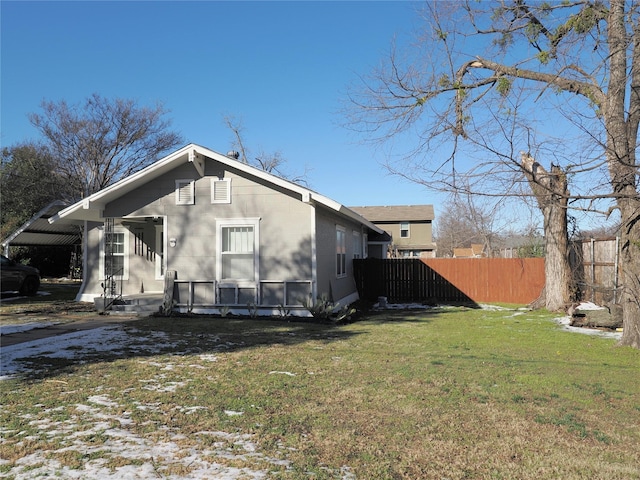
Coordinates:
x,y
113,339
208,357
565,322
589,306
102,400
402,306
25,327
282,373
233,413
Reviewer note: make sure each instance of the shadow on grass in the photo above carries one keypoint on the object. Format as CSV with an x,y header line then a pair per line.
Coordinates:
x,y
50,297
152,336
411,315
194,334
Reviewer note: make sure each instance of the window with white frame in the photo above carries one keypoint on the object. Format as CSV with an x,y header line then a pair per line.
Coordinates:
x,y
114,254
404,229
357,245
220,190
238,242
341,252
185,192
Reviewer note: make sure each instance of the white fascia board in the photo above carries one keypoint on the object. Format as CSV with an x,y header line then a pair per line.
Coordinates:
x,y
256,172
87,208
91,207
305,194
346,211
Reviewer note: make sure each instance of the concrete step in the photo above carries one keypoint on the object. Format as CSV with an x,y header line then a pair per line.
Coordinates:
x,y
142,304
133,310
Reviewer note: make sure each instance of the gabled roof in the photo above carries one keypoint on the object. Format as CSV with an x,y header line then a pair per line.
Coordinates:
x,y
396,213
39,231
91,207
463,253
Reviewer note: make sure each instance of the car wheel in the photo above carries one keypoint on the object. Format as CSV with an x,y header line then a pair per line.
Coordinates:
x,y
30,286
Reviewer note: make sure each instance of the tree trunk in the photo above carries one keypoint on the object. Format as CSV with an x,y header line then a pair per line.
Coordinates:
x,y
621,122
630,262
550,190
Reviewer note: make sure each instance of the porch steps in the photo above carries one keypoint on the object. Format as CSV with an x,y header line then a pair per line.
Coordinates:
x,y
142,304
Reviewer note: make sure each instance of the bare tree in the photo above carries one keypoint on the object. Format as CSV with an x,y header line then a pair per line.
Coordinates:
x,y
488,75
269,162
466,220
103,140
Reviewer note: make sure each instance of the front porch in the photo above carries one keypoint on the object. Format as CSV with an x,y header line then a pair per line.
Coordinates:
x,y
141,304
268,297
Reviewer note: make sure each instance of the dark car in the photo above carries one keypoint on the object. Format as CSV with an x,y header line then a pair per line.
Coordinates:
x,y
18,278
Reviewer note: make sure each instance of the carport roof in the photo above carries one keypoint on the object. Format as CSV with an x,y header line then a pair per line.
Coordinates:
x,y
38,230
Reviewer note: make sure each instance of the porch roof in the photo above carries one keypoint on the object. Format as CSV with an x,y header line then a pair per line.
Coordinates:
x,y
91,208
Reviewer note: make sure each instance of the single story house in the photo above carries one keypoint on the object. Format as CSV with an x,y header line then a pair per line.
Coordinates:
x,y
228,235
410,227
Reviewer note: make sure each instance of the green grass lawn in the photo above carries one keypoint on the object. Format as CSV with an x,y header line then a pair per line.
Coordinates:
x,y
450,393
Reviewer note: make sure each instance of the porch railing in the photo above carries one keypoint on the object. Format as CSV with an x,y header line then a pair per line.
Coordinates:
x,y
264,294
112,289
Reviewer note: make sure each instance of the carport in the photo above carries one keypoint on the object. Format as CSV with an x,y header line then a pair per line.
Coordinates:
x,y
37,231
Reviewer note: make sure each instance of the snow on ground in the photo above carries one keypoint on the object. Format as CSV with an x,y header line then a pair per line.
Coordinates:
x,y
147,457
139,457
86,342
25,327
215,454
565,323
589,306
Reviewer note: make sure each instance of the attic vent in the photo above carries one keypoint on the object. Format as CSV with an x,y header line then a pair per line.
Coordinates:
x,y
185,192
221,190
233,154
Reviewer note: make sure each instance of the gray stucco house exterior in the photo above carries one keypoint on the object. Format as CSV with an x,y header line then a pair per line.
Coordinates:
x,y
232,236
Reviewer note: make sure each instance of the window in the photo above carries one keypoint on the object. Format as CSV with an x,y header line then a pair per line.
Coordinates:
x,y
357,245
404,229
185,192
221,190
114,254
238,247
341,252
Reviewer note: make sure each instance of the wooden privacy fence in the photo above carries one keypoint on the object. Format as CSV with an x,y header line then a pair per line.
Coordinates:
x,y
505,280
596,268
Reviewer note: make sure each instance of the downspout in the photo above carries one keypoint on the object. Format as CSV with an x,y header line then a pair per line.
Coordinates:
x,y
314,254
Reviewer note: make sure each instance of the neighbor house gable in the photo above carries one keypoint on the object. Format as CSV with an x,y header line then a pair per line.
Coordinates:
x,y
410,226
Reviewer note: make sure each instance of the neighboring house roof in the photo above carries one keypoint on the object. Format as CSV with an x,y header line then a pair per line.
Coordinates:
x,y
91,207
417,246
396,213
39,231
463,252
476,250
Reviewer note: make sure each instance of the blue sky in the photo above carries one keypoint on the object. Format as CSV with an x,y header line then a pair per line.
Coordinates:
x,y
283,67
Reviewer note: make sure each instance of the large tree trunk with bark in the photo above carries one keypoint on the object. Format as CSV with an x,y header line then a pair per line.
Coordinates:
x,y
551,192
630,253
621,122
